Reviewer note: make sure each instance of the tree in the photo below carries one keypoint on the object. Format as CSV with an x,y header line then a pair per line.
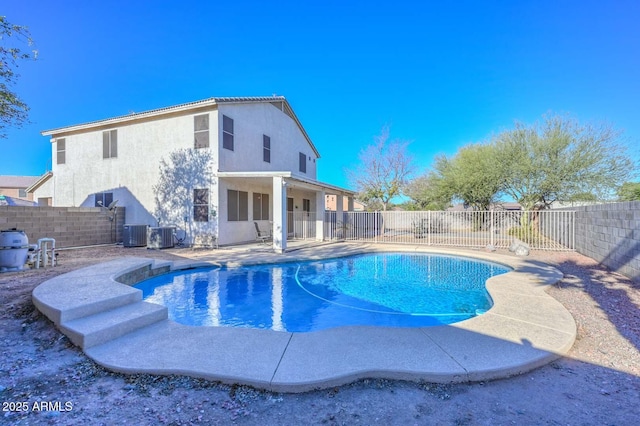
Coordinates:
x,y
180,175
13,111
560,159
629,191
383,171
472,175
427,193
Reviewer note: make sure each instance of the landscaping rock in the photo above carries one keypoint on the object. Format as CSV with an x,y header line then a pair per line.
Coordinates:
x,y
520,248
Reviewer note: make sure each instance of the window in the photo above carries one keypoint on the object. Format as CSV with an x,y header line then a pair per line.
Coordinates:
x,y
237,205
201,131
303,163
260,206
22,192
60,148
110,144
103,199
201,205
227,133
306,205
266,149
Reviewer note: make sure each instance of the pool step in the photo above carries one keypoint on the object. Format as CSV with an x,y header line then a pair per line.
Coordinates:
x,y
66,300
104,326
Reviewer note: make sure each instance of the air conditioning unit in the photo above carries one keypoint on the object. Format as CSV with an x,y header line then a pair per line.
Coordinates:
x,y
161,237
134,235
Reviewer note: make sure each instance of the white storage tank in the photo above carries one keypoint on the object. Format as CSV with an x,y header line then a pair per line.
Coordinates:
x,y
14,246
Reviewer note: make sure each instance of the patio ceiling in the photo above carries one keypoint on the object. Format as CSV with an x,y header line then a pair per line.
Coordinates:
x,y
292,180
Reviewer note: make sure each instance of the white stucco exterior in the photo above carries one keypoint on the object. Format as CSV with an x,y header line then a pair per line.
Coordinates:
x,y
145,139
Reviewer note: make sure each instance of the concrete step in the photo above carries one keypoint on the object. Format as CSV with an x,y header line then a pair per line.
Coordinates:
x,y
102,327
63,300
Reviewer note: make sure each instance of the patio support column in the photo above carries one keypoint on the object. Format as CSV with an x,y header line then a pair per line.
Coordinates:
x,y
320,207
279,214
340,225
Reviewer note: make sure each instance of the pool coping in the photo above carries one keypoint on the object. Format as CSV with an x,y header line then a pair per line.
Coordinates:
x,y
526,328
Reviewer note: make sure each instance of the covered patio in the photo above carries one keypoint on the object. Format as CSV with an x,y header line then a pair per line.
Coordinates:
x,y
288,205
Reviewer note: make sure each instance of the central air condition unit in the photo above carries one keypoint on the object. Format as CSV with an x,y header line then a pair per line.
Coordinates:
x,y
134,235
159,238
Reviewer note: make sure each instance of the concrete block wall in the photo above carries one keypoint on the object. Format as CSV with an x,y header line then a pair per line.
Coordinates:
x,y
69,226
610,234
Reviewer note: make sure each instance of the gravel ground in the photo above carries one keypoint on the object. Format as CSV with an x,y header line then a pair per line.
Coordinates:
x,y
44,379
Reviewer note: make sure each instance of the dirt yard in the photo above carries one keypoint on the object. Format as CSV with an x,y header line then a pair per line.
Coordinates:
x,y
44,379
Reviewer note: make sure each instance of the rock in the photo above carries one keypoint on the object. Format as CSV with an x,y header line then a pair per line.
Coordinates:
x,y
519,248
490,247
522,250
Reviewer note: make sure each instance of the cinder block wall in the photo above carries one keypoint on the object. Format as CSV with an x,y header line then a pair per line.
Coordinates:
x,y
70,226
610,234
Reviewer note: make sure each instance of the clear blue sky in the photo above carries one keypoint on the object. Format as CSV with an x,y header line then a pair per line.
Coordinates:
x,y
441,74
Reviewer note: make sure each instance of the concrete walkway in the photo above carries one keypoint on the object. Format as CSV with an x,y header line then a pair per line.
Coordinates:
x,y
97,308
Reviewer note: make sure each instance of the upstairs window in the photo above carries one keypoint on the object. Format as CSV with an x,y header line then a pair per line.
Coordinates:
x,y
303,162
201,205
110,144
266,149
260,206
201,131
60,151
227,133
22,192
237,205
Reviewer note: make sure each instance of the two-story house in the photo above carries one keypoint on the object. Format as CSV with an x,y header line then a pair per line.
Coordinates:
x,y
211,167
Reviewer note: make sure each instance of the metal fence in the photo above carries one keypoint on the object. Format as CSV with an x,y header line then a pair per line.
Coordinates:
x,y
541,230
301,225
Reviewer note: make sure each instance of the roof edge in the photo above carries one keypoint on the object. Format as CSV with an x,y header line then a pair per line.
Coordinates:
x,y
37,184
161,111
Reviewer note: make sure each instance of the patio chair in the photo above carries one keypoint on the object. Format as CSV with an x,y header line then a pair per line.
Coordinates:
x,y
262,236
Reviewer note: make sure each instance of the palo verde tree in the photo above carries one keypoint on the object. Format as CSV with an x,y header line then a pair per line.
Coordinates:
x,y
629,191
384,169
427,192
560,160
471,176
179,191
13,111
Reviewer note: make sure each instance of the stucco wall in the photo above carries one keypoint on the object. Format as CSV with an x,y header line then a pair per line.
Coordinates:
x,y
141,146
70,226
251,122
610,234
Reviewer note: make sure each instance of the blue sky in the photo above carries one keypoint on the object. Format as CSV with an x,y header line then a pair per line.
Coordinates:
x,y
440,74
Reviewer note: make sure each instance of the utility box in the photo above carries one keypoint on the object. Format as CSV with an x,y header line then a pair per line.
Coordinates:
x,y
134,235
160,237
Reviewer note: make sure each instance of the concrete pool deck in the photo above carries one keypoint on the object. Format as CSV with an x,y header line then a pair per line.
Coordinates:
x,y
97,308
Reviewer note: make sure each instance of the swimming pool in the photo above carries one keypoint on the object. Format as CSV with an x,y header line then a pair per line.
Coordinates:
x,y
381,289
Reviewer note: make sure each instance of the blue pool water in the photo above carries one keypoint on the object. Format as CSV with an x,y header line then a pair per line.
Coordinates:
x,y
382,289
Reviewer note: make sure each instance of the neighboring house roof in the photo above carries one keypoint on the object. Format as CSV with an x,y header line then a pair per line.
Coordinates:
x,y
17,181
12,201
38,183
278,101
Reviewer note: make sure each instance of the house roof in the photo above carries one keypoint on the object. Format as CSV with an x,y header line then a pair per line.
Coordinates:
x,y
17,181
41,180
278,101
